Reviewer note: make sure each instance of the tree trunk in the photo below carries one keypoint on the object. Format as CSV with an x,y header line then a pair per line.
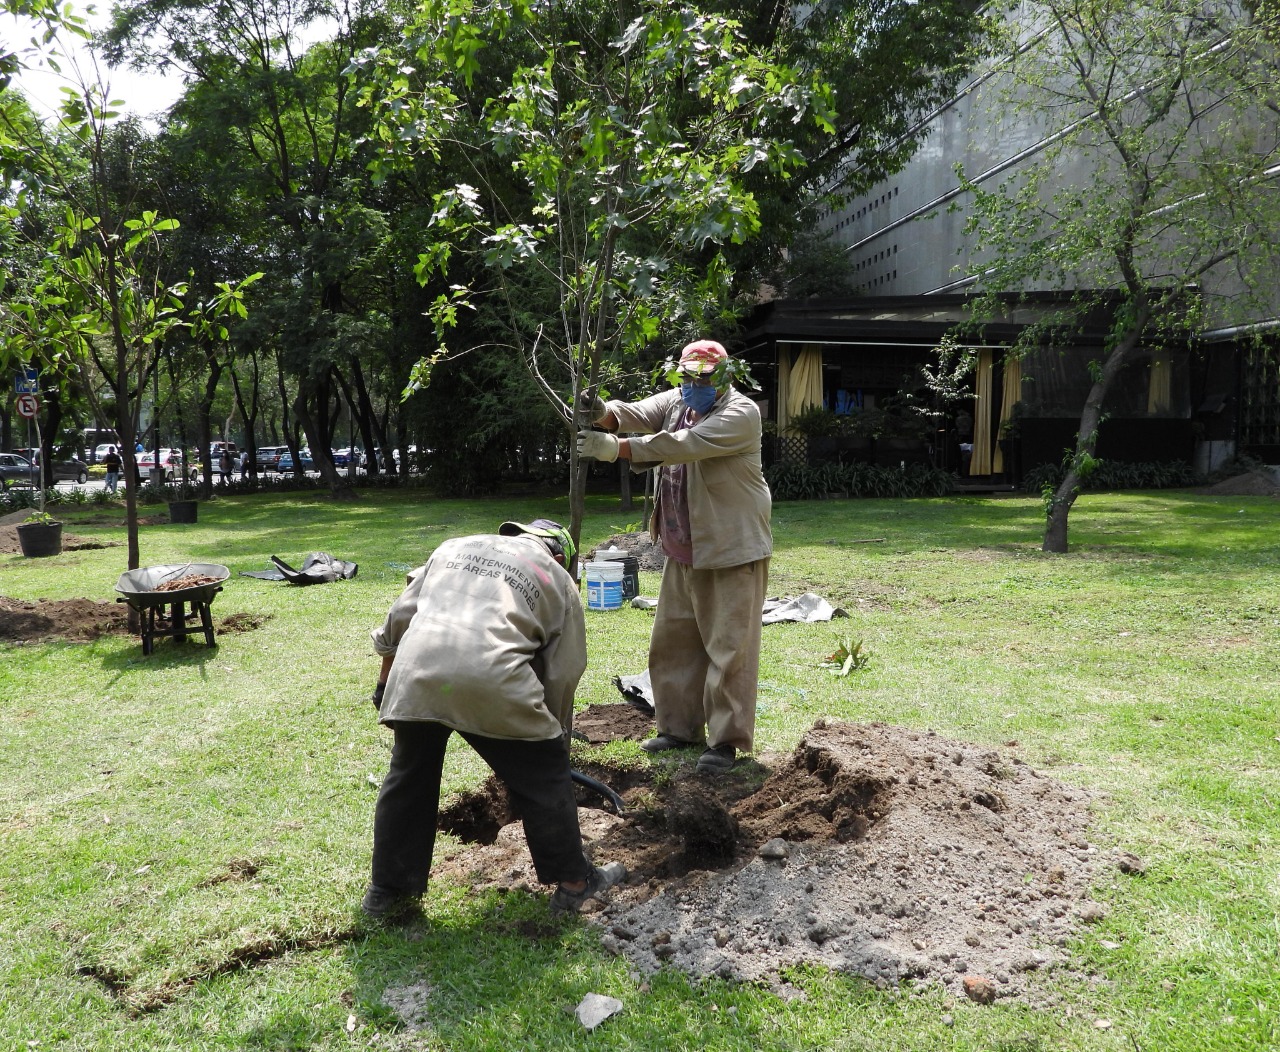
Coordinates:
x,y
624,468
204,422
1058,507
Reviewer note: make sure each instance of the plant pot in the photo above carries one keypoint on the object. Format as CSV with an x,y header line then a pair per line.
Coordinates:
x,y
182,511
38,539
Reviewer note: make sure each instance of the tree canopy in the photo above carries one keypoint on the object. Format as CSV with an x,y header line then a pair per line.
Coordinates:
x,y
1152,185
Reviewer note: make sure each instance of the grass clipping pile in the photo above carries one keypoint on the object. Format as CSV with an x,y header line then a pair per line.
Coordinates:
x,y
875,850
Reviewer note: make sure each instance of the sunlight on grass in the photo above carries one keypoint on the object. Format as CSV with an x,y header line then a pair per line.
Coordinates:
x,y
194,826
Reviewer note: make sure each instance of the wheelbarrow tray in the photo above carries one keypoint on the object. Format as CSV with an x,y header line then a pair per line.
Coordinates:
x,y
139,586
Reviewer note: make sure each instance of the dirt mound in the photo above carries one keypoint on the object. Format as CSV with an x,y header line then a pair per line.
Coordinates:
x,y
79,620
82,620
1250,484
875,850
648,554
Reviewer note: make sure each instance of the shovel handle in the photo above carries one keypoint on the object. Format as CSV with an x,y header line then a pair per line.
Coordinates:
x,y
612,798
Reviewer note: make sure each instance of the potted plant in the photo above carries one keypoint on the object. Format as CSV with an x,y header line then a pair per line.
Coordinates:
x,y
182,501
40,535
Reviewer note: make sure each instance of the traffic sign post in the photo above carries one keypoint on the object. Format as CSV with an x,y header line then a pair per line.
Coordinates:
x,y
28,405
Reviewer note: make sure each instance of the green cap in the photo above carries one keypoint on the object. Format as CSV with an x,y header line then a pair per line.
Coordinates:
x,y
548,529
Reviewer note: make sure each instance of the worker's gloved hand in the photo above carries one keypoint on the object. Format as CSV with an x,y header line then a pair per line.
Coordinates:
x,y
376,698
598,445
591,408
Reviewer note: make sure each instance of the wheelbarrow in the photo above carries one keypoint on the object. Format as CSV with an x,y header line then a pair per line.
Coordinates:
x,y
150,590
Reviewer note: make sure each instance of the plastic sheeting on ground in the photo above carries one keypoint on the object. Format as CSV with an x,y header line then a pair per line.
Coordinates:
x,y
317,568
638,691
808,607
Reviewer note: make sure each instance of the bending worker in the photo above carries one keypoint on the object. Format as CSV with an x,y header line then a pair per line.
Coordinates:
x,y
712,519
488,640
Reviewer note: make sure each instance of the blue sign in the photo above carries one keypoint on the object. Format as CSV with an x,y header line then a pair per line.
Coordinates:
x,y
27,382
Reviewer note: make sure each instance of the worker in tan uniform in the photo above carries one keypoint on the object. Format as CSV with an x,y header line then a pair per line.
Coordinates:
x,y
487,639
712,520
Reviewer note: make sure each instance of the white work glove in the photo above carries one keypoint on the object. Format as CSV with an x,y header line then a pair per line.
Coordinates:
x,y
598,445
591,409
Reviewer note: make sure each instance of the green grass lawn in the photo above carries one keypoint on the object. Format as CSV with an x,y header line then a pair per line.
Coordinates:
x,y
184,837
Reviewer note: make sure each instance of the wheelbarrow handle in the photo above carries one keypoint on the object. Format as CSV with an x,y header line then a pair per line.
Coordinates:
x,y
617,804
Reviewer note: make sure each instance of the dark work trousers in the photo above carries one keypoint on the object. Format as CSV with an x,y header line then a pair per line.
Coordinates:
x,y
536,774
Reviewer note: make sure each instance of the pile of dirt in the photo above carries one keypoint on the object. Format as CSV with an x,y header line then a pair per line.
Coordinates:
x,y
875,850
78,620
83,620
1250,484
640,545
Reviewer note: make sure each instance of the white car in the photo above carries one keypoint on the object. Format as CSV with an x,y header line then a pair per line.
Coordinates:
x,y
101,451
170,463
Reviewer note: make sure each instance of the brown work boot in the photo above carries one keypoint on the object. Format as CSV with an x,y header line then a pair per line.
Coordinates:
x,y
598,882
665,742
717,759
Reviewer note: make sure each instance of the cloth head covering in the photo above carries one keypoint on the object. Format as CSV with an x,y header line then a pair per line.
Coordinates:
x,y
547,529
702,357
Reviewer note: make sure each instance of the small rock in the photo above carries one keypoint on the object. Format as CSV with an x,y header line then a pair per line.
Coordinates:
x,y
948,1020
979,990
1102,1024
1129,863
972,940
776,848
1092,913
595,1009
723,935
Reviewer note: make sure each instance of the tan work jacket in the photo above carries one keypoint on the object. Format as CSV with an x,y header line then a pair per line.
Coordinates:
x,y
488,637
729,501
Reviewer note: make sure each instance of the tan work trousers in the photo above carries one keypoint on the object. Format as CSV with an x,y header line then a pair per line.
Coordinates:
x,y
704,654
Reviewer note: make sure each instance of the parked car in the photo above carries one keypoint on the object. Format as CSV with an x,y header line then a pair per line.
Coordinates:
x,y
72,469
102,450
16,471
345,457
286,460
269,457
171,462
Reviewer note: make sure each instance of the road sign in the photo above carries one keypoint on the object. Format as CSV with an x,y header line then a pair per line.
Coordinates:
x,y
26,382
28,405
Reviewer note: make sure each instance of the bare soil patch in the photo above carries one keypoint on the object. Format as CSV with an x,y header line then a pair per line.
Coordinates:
x,y
1250,484
79,620
70,542
83,620
883,852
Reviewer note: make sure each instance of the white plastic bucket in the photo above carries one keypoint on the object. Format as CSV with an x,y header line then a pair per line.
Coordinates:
x,y
630,569
604,585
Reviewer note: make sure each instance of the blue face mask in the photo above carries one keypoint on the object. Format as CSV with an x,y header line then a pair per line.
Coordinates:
x,y
698,398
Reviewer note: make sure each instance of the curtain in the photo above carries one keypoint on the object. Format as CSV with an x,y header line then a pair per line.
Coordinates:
x,y
799,383
980,463
1012,392
784,389
1160,389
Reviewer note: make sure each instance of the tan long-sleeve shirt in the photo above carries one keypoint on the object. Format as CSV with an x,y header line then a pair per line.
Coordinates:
x,y
489,638
729,500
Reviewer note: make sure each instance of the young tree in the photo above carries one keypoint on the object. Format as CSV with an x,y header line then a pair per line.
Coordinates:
x,y
607,147
1154,186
